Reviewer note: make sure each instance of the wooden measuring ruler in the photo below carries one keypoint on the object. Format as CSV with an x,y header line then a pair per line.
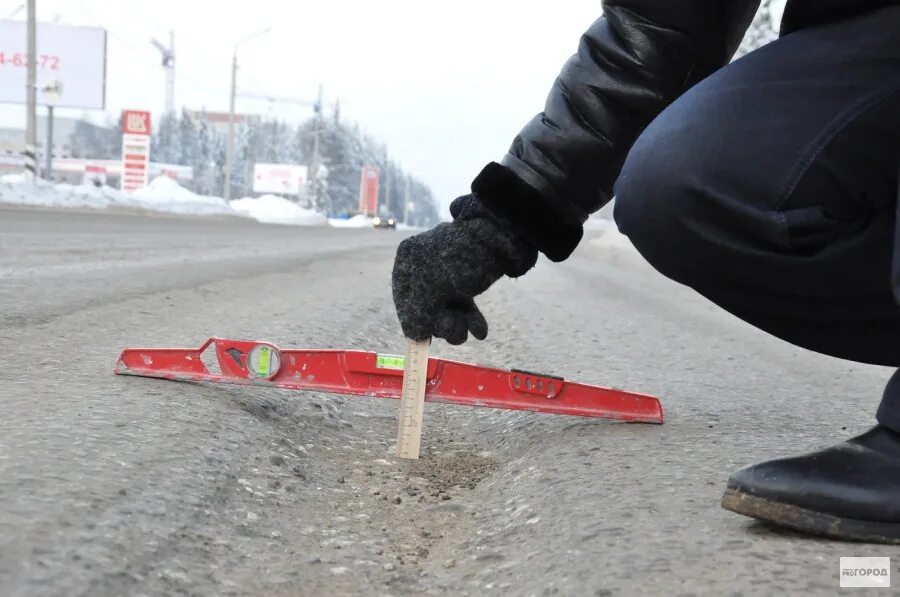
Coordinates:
x,y
412,398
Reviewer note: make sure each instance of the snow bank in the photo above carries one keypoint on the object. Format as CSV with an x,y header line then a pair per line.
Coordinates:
x,y
361,221
357,221
271,209
14,178
165,194
17,189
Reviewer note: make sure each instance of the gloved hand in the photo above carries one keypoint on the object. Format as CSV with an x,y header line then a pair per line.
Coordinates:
x,y
438,273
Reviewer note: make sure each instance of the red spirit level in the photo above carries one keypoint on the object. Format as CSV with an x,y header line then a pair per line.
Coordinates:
x,y
365,373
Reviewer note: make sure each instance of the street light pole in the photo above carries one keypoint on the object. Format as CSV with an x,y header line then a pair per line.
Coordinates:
x,y
316,157
31,121
406,201
387,188
48,154
229,147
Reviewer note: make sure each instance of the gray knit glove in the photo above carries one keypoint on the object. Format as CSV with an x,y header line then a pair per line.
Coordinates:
x,y
437,273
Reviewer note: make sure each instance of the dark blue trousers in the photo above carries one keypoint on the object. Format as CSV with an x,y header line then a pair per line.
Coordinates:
x,y
771,188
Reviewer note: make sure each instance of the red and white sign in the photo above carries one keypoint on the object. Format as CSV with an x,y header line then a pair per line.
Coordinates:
x,y
136,122
368,190
136,131
284,179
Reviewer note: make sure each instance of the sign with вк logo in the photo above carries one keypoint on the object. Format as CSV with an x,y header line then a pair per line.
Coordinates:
x,y
136,131
136,122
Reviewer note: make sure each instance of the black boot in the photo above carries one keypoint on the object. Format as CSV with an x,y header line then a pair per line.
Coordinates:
x,y
849,491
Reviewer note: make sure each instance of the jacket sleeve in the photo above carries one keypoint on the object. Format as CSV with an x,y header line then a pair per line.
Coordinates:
x,y
633,62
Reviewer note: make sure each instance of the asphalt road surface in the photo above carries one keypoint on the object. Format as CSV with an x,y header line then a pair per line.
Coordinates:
x,y
128,486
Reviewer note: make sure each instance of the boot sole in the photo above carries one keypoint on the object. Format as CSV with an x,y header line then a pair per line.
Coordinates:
x,y
807,521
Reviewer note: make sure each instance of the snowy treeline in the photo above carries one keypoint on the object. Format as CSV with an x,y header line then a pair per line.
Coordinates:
x,y
191,140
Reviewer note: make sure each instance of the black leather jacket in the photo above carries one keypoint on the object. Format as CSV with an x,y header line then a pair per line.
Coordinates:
x,y
633,62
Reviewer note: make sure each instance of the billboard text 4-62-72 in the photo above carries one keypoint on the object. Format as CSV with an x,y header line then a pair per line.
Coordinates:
x,y
70,61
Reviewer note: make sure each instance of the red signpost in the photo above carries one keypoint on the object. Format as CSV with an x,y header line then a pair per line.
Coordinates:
x,y
136,130
368,190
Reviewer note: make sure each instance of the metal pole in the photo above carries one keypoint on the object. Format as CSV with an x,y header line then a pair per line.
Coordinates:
x,y
316,159
406,201
387,188
314,179
229,148
31,123
48,174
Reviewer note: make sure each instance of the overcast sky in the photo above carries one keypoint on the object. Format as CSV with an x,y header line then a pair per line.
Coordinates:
x,y
445,84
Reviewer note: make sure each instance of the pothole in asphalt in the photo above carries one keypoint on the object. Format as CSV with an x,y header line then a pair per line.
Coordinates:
x,y
459,469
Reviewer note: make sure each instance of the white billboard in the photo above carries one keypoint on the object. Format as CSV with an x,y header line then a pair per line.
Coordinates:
x,y
71,65
284,179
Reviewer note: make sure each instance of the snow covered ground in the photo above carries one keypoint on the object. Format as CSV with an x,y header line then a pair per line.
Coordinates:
x,y
609,236
271,209
361,221
15,189
163,194
357,221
